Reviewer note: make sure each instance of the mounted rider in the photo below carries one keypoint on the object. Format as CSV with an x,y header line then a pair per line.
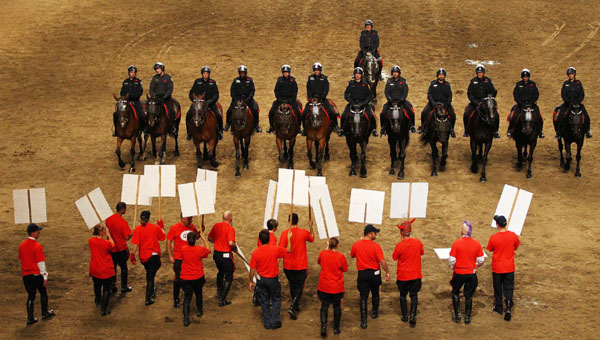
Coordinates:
x,y
286,92
480,88
357,93
161,87
242,88
525,94
369,42
210,89
317,87
132,86
439,92
396,91
572,93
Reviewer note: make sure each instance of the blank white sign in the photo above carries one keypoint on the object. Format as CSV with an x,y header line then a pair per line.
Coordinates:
x,y
517,220
418,200
187,199
284,187
21,205
100,203
271,207
373,200
323,211
444,253
211,177
399,200
505,203
129,190
87,212
401,194
167,180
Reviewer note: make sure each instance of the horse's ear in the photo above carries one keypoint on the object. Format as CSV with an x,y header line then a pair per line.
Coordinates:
x,y
203,95
115,96
127,96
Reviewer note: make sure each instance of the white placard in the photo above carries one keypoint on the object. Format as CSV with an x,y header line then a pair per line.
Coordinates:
x,y
284,187
314,181
21,206
241,253
373,200
323,211
87,212
188,198
444,253
401,194
517,220
99,201
211,177
130,187
167,180
505,203
37,197
271,207
418,200
399,200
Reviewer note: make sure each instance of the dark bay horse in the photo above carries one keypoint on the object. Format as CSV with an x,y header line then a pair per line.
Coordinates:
x,y
397,126
525,134
242,128
571,130
480,128
286,126
318,128
203,128
372,73
128,127
357,129
158,126
436,131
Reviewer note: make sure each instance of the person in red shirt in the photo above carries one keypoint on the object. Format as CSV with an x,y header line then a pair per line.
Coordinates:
x,y
264,263
192,273
272,227
145,238
466,256
102,269
295,263
176,238
408,253
121,233
503,244
369,260
222,235
33,270
330,289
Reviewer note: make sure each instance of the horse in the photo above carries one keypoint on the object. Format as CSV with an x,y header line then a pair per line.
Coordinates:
x,y
357,129
158,126
318,128
128,127
480,128
397,126
525,134
203,128
436,131
372,72
286,126
571,130
242,128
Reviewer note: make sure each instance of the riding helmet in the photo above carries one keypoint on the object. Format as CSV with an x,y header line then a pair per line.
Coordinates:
x,y
572,70
132,68
369,23
317,66
396,68
440,71
286,68
159,65
205,69
525,73
358,70
243,68
479,68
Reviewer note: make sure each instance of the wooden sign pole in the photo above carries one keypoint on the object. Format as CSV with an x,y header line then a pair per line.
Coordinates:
x,y
159,192
137,194
95,210
29,205
365,218
512,208
325,223
409,196
292,198
197,207
274,199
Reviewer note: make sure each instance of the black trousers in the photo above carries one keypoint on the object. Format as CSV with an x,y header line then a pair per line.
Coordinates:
x,y
191,287
152,266
101,286
328,299
367,282
411,287
33,284
224,265
177,280
296,280
469,281
269,289
503,286
120,259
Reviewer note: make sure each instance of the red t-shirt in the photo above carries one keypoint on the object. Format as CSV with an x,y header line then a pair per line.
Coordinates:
x,y
178,234
147,237
466,250
408,254
119,231
333,266
503,244
368,254
297,259
272,240
30,253
264,260
101,263
191,266
222,233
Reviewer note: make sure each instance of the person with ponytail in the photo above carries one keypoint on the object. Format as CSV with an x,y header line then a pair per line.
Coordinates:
x,y
102,269
330,289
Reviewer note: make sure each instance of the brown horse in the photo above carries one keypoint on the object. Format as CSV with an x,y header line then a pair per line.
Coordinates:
x,y
158,126
203,128
242,128
127,128
286,128
318,129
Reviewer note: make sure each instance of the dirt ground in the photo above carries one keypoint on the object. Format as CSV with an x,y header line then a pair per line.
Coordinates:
x,y
63,59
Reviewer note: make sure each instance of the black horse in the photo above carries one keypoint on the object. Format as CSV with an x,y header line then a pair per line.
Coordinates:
x,y
526,131
437,130
158,126
572,130
370,66
480,127
357,128
396,124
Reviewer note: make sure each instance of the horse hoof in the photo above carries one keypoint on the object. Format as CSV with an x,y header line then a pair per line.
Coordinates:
x,y
483,179
238,174
577,174
176,153
392,171
156,162
214,164
352,173
401,175
131,170
434,173
474,169
529,174
246,167
319,173
327,157
313,165
363,173
442,168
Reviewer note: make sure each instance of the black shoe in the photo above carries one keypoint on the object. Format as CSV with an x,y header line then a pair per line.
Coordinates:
x,y
336,331
375,311
126,290
413,311
48,315
176,303
267,326
32,321
292,313
507,316
149,302
276,325
420,130
223,299
404,309
375,134
509,134
557,136
189,136
199,313
105,312
323,331
363,314
258,129
382,132
340,133
113,289
456,308
588,134
452,134
509,305
270,129
412,129
541,135
498,309
496,135
468,309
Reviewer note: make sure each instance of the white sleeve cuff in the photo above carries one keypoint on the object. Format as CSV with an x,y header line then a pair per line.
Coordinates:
x,y
480,260
451,261
42,267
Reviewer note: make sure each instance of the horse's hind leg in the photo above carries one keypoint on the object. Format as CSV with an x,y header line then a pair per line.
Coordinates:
x,y
353,156
578,157
246,152
118,152
402,155
519,156
530,159
176,153
309,153
484,159
474,160
363,159
569,156
236,141
444,155
132,153
392,144
560,149
434,156
327,156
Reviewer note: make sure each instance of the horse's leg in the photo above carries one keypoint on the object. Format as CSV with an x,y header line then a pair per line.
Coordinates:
x,y
320,147
132,153
327,156
206,153
569,156
153,139
118,152
560,149
363,159
309,153
444,154
236,141
146,136
353,156
176,153
212,149
392,144
434,156
140,144
488,146
198,153
578,157
291,153
246,151
530,157
403,145
519,155
280,145
162,152
474,161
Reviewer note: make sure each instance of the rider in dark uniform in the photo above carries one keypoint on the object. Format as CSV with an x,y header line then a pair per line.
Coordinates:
x,y
211,95
132,86
572,93
396,91
242,88
161,87
525,93
479,88
286,91
358,93
439,92
369,42
317,86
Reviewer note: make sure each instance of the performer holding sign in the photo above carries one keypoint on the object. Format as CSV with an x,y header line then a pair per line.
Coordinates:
x,y
331,284
102,268
192,273
176,238
222,235
120,233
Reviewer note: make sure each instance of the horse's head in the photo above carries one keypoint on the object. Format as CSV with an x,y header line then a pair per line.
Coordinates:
x,y
284,118
239,115
315,106
395,116
576,119
356,114
372,67
527,119
199,109
441,123
153,111
121,109
488,110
